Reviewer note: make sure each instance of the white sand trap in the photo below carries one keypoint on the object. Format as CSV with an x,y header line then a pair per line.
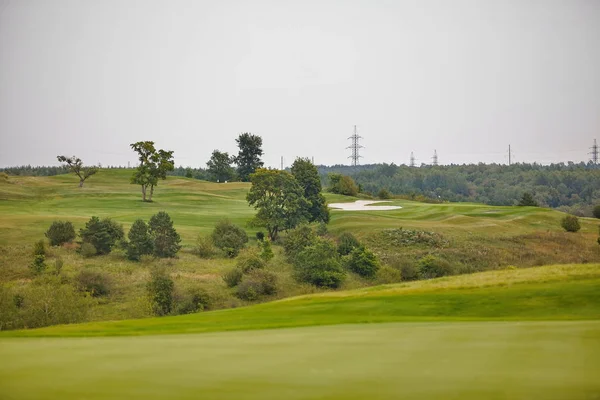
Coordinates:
x,y
363,205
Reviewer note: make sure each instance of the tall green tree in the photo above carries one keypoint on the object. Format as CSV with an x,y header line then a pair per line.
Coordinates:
x,y
279,200
219,166
154,165
248,159
75,165
307,176
140,242
164,236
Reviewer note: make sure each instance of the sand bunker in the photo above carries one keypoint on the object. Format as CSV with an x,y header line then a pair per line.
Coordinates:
x,y
363,205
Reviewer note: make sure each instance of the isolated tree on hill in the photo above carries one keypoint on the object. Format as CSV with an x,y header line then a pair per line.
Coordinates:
x,y
279,200
527,200
219,166
153,166
307,176
75,165
164,236
248,159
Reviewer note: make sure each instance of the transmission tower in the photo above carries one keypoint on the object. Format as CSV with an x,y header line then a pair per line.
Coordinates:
x,y
594,152
412,159
434,158
355,146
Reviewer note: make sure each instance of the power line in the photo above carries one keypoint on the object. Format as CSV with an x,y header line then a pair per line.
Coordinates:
x,y
355,146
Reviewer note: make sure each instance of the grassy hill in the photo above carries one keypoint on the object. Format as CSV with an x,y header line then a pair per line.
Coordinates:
x,y
529,333
474,237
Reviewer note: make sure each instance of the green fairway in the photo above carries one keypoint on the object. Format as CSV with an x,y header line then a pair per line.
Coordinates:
x,y
484,360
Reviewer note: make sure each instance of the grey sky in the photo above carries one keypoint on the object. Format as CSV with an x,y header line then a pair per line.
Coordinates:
x,y
465,77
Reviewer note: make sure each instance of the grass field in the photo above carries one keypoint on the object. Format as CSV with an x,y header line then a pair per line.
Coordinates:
x,y
476,338
507,333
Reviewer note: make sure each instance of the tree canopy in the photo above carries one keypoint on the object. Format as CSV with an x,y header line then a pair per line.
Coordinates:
x,y
75,165
219,167
307,176
279,200
248,159
154,165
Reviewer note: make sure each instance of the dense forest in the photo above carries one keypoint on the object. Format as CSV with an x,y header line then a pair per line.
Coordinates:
x,y
571,187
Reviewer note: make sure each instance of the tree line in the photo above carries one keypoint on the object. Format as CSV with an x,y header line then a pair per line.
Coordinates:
x,y
570,187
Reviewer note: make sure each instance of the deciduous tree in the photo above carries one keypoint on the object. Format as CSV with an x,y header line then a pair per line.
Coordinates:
x,y
219,166
75,165
248,159
279,200
307,176
154,165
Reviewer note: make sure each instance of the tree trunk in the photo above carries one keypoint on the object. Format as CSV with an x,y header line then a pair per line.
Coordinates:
x,y
81,182
143,192
151,192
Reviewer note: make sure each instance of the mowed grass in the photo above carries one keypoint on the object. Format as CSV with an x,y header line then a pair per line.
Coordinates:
x,y
438,360
563,292
29,204
477,339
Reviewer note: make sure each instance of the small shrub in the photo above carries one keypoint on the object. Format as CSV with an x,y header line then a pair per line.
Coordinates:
x,y
409,237
204,247
260,236
164,236
192,301
266,251
97,284
363,262
140,242
58,265
297,240
87,250
432,267
384,194
233,277
596,211
409,271
570,223
60,232
250,260
386,274
346,243
319,265
229,237
102,234
38,265
39,248
160,290
256,284
322,229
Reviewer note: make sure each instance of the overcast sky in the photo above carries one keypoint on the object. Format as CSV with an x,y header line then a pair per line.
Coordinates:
x,y
465,77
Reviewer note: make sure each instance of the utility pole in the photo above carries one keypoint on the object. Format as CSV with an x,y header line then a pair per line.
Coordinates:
x,y
594,153
435,158
282,163
412,159
509,155
355,146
